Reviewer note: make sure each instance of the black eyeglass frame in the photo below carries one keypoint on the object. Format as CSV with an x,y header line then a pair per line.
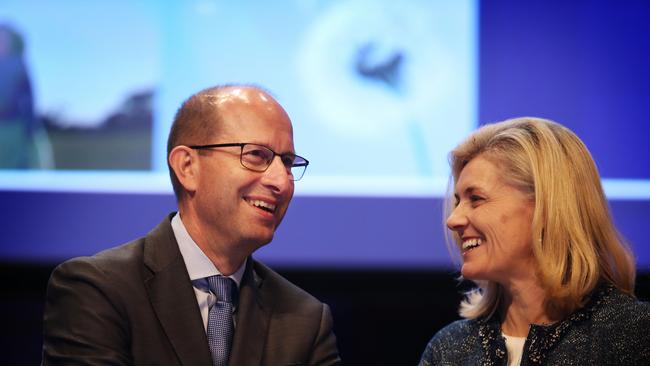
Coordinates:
x,y
304,163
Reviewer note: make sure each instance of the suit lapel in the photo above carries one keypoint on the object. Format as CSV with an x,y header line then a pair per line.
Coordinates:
x,y
173,298
252,321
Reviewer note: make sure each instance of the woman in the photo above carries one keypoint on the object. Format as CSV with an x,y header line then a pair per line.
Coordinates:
x,y
554,278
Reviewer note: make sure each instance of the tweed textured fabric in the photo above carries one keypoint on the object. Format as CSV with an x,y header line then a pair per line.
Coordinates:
x,y
220,322
612,329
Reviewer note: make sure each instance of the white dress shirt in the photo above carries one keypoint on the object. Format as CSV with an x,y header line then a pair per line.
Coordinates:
x,y
515,347
199,266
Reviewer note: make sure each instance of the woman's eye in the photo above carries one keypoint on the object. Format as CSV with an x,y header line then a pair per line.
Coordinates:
x,y
474,198
456,201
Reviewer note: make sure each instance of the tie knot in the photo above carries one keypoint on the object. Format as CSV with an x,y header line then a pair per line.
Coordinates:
x,y
222,287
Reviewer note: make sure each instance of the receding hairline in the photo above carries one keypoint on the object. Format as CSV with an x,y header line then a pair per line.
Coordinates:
x,y
215,95
207,102
199,117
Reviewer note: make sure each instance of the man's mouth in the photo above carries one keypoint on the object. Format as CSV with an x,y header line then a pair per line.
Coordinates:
x,y
471,243
263,205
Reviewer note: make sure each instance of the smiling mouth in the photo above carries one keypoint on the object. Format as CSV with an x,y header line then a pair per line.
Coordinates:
x,y
266,206
471,243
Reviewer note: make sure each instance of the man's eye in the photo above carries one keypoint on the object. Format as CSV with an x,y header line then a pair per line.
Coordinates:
x,y
256,156
288,160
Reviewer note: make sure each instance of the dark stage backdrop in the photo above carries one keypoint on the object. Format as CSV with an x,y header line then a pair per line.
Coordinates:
x,y
381,317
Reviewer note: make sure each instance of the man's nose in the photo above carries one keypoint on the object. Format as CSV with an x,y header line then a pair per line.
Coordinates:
x,y
277,176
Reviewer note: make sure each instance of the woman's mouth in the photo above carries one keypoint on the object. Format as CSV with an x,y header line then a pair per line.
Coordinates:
x,y
471,243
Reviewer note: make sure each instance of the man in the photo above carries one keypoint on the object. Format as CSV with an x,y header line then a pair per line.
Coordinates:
x,y
189,293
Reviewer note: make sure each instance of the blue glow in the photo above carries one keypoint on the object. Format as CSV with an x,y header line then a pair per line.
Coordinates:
x,y
322,186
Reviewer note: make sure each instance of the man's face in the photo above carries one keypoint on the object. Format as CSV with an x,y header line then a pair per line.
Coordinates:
x,y
240,209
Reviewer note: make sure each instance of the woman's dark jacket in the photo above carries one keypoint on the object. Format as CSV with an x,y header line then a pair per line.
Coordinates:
x,y
612,329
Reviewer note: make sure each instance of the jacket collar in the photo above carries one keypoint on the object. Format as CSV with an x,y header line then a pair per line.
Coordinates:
x,y
541,338
251,319
172,296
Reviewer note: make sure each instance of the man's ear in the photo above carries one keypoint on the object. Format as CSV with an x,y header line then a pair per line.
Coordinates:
x,y
184,162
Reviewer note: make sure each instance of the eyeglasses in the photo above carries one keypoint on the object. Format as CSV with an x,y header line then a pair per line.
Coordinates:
x,y
258,158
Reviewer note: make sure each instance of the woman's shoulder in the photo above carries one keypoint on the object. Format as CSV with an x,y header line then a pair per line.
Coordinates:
x,y
616,307
621,323
459,329
453,342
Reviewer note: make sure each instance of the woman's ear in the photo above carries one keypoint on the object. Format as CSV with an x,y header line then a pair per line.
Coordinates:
x,y
183,160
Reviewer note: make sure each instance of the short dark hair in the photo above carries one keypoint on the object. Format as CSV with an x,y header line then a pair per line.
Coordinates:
x,y
194,121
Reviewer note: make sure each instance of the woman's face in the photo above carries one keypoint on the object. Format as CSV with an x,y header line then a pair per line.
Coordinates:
x,y
493,223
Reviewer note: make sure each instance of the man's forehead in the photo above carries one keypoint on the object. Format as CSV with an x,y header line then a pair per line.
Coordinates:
x,y
245,112
239,95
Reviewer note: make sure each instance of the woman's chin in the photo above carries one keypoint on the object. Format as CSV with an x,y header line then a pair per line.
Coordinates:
x,y
470,273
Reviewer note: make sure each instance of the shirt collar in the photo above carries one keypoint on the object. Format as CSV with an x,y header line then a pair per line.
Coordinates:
x,y
198,265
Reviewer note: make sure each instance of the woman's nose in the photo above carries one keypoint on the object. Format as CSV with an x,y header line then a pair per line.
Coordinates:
x,y
457,220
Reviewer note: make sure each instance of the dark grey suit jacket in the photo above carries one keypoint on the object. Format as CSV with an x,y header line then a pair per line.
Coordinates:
x,y
135,305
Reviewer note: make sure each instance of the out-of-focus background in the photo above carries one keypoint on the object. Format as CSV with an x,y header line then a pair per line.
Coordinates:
x,y
378,92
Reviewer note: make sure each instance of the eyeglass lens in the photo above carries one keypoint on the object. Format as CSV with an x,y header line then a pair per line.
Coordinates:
x,y
258,158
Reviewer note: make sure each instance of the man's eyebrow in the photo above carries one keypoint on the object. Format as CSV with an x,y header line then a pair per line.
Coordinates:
x,y
288,152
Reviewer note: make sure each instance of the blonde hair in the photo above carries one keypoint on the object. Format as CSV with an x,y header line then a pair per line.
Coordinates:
x,y
574,239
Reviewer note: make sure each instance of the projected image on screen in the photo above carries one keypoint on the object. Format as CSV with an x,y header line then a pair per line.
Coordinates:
x,y
387,78
76,89
378,92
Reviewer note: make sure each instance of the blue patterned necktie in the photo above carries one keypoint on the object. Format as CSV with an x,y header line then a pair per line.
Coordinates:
x,y
220,322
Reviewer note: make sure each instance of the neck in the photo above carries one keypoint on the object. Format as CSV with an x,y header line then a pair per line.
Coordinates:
x,y
226,266
223,254
524,303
